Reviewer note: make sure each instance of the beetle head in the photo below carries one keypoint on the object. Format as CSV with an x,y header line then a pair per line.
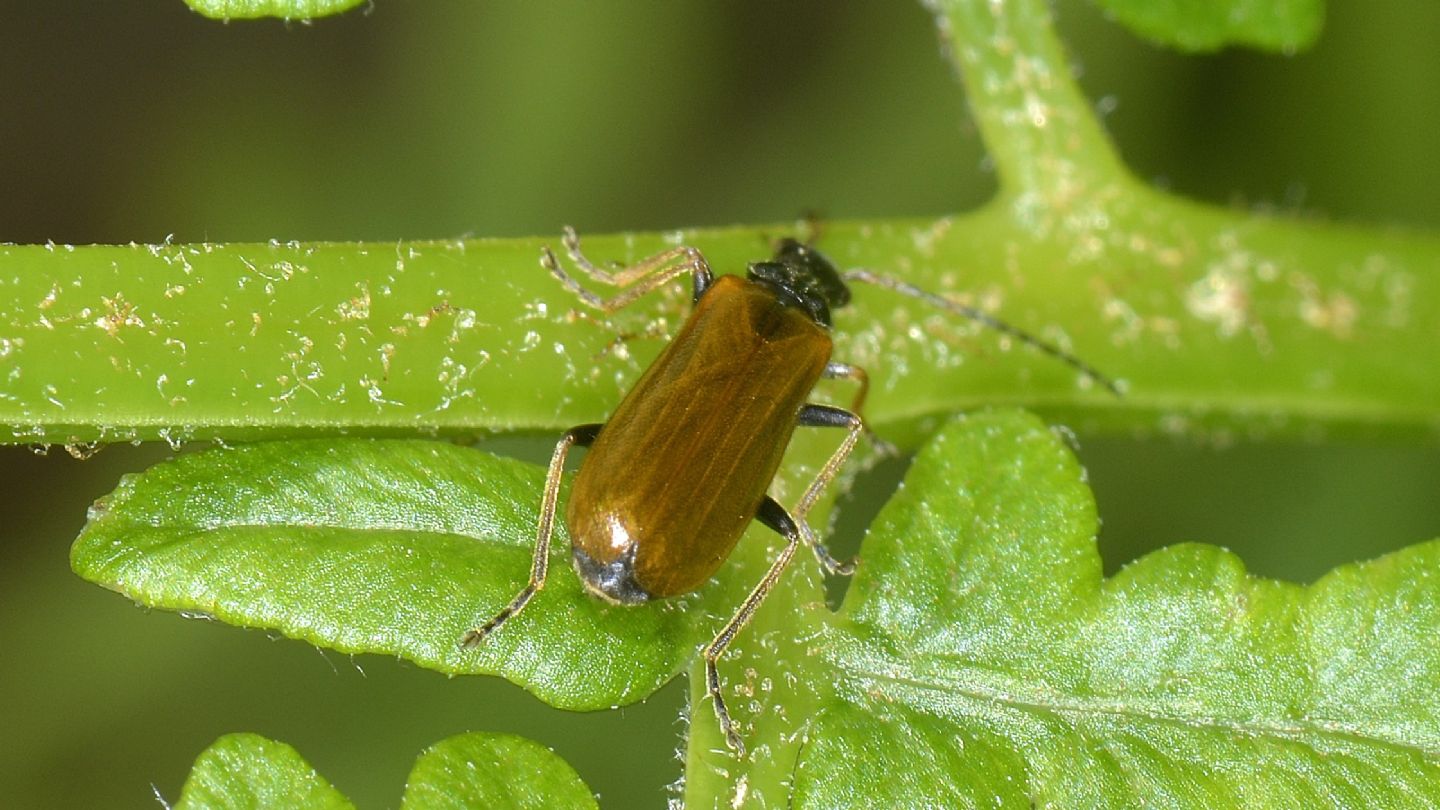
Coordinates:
x,y
801,276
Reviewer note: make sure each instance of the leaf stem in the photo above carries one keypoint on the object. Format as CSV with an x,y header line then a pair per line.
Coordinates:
x,y
1035,122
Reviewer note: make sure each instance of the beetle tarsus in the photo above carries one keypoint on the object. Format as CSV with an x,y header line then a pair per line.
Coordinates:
x,y
473,638
832,565
722,714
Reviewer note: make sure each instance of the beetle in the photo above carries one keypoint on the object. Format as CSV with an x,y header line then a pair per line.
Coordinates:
x,y
681,468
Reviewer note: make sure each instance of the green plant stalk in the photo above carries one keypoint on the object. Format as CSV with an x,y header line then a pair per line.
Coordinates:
x,y
284,9
1221,324
1035,123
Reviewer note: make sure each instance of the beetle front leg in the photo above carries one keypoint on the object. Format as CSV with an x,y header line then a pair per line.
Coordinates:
x,y
636,280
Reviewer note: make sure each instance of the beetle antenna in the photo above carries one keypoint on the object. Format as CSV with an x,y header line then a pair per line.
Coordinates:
x,y
985,319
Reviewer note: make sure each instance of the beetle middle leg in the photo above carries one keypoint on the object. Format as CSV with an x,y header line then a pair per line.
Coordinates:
x,y
583,436
794,529
827,416
845,371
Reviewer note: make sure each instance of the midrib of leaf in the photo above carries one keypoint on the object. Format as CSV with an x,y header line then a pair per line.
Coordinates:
x,y
985,692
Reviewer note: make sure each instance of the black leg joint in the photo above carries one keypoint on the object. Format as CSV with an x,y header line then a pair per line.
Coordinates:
x,y
826,416
584,435
773,515
700,280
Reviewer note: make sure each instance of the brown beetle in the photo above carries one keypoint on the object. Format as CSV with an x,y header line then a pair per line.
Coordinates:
x,y
682,466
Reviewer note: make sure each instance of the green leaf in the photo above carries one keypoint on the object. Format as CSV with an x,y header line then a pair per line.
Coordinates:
x,y
248,771
384,546
980,652
285,9
982,659
499,771
1206,25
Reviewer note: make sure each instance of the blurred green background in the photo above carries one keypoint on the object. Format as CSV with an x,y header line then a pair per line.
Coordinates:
x,y
141,121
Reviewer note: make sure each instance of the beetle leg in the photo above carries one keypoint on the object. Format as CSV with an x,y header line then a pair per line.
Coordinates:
x,y
845,371
827,416
637,279
716,648
584,436
655,330
793,529
773,515
620,277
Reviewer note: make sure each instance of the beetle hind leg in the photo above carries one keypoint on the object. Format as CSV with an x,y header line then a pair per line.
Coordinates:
x,y
584,436
794,530
721,642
